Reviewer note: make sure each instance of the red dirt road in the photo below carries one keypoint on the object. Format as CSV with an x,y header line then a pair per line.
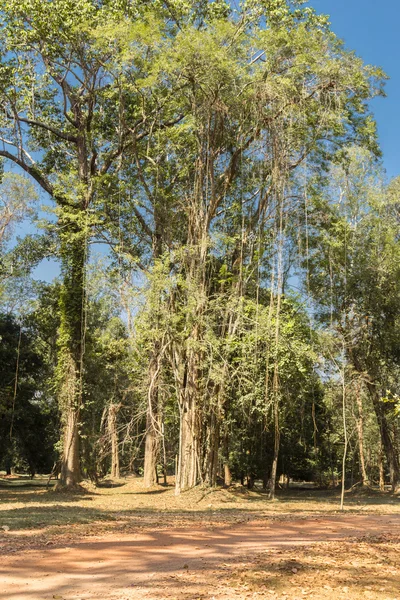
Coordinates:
x,y
149,565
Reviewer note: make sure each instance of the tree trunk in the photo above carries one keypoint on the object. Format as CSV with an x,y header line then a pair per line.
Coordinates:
x,y
113,433
381,470
220,408
189,431
71,343
360,431
387,442
386,438
227,475
151,451
391,454
188,471
227,468
152,444
164,455
345,438
211,470
70,466
274,469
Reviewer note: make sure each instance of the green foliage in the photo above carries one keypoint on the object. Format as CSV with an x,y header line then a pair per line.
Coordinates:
x,y
28,412
211,148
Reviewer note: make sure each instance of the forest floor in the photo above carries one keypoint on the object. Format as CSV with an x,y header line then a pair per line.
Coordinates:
x,y
122,542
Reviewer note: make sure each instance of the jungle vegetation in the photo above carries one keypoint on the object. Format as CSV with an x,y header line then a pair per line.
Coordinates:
x,y
208,179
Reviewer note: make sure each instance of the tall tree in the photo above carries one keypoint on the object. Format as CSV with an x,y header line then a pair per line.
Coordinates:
x,y
67,118
354,263
252,117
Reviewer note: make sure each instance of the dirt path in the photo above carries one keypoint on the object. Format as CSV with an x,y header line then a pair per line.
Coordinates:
x,y
153,564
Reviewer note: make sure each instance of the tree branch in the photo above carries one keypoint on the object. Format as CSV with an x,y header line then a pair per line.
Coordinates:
x,y
34,123
31,170
35,173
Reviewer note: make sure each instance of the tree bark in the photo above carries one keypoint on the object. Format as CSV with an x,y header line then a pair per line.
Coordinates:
x,y
381,470
152,444
190,430
274,468
71,343
211,471
153,421
151,451
386,438
113,433
360,432
70,467
188,474
227,468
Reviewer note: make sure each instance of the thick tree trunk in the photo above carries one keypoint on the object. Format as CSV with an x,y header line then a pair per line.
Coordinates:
x,y
70,467
189,432
188,461
71,344
113,433
152,444
151,451
227,475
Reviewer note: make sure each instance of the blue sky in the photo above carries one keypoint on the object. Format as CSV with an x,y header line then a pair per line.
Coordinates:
x,y
372,30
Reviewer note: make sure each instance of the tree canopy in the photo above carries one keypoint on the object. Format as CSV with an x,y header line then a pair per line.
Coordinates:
x,y
241,320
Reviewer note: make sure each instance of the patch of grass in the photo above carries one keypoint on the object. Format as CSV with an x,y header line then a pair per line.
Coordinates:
x,y
29,505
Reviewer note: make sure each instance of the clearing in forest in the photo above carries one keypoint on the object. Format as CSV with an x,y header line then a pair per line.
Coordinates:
x,y
124,542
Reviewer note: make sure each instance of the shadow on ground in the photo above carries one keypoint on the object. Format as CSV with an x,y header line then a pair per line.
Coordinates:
x,y
160,562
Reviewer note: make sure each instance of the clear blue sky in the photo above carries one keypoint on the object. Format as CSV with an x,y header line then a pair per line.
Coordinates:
x,y
372,29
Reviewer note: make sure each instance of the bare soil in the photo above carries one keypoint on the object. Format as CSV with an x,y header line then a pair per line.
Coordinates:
x,y
123,542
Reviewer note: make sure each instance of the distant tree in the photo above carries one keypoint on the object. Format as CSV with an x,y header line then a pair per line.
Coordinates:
x,y
28,414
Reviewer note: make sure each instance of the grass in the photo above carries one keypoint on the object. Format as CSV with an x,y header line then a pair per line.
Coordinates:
x,y
29,504
122,505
